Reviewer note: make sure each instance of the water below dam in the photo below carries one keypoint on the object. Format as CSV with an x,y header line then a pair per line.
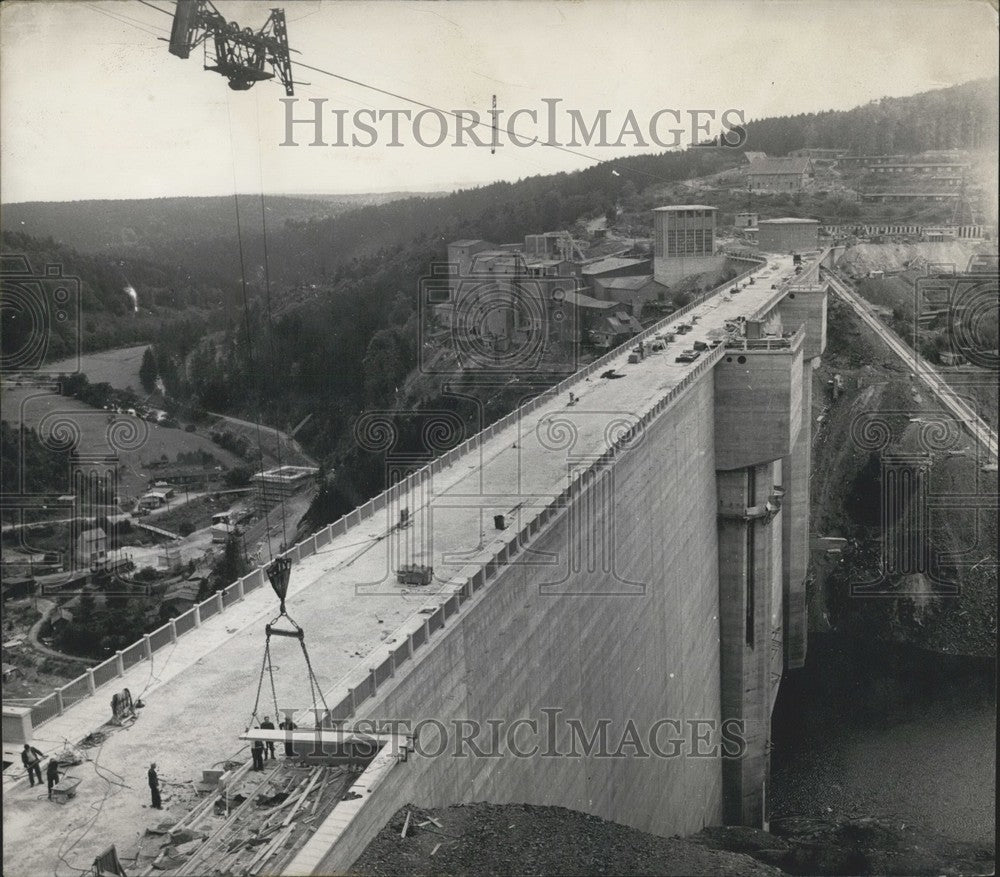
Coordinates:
x,y
890,731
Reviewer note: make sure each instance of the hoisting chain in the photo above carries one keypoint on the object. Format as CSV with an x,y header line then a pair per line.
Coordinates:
x,y
314,686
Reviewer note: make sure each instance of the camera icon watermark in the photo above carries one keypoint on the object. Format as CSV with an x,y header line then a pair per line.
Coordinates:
x,y
71,525
956,314
916,506
493,315
40,318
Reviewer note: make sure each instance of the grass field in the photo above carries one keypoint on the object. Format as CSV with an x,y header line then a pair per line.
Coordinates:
x,y
119,367
139,441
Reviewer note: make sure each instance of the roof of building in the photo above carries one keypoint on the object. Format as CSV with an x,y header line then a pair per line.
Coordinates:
x,y
789,220
466,242
620,321
637,282
583,300
183,591
612,263
673,207
791,165
754,156
93,533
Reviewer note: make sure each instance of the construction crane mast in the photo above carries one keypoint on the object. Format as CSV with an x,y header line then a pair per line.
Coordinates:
x,y
242,55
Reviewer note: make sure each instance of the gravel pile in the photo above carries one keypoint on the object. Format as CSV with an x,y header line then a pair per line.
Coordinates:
x,y
487,839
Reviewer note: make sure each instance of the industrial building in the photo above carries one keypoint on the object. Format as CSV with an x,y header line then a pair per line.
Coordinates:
x,y
788,235
281,483
779,174
683,241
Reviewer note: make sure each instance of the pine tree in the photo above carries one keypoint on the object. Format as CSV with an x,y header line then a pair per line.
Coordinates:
x,y
148,371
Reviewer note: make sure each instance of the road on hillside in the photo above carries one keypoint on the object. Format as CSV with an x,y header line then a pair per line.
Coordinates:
x,y
283,437
920,368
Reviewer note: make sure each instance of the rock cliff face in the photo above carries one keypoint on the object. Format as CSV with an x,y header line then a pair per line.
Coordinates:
x,y
952,608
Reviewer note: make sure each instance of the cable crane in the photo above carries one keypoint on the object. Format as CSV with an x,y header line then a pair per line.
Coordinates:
x,y
242,55
278,573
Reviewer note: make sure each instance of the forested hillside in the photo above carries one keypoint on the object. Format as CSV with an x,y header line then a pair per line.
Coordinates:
x,y
961,117
337,332
100,309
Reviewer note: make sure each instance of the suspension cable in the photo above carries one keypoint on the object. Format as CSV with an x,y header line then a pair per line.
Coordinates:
x,y
246,320
270,318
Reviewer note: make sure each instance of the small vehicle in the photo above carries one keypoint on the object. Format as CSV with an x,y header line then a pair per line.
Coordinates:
x,y
687,356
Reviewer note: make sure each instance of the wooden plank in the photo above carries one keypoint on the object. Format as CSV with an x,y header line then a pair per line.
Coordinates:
x,y
212,841
322,791
406,825
302,797
272,848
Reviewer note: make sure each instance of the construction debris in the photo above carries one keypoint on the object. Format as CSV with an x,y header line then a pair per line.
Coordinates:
x,y
252,824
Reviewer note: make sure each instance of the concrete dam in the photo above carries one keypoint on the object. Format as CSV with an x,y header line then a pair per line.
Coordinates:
x,y
618,586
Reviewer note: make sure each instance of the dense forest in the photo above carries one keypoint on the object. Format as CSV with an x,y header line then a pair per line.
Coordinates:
x,y
99,309
30,466
960,117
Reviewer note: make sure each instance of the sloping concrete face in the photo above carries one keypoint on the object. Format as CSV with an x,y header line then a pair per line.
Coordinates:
x,y
805,305
749,570
795,470
628,639
758,405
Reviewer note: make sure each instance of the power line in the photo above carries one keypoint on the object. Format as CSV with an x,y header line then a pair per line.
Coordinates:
x,y
131,22
457,115
157,8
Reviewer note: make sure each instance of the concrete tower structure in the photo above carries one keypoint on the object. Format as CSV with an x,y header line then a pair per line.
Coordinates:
x,y
683,241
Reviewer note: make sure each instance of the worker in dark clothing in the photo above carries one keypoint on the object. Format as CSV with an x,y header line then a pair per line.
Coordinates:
x,y
268,725
52,775
257,751
288,725
154,787
32,758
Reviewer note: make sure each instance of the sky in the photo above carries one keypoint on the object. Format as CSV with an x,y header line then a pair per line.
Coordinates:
x,y
92,104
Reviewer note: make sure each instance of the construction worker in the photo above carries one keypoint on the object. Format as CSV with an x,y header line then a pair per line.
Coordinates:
x,y
31,758
257,751
268,725
288,725
154,787
52,775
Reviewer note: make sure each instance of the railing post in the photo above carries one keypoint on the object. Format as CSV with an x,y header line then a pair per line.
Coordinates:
x,y
173,630
119,663
197,614
218,601
91,684
59,701
147,645
240,593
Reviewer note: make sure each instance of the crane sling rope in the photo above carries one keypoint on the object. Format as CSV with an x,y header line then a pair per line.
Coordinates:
x,y
278,573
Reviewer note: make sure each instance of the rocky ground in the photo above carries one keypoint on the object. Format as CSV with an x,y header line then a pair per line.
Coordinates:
x,y
487,839
952,610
